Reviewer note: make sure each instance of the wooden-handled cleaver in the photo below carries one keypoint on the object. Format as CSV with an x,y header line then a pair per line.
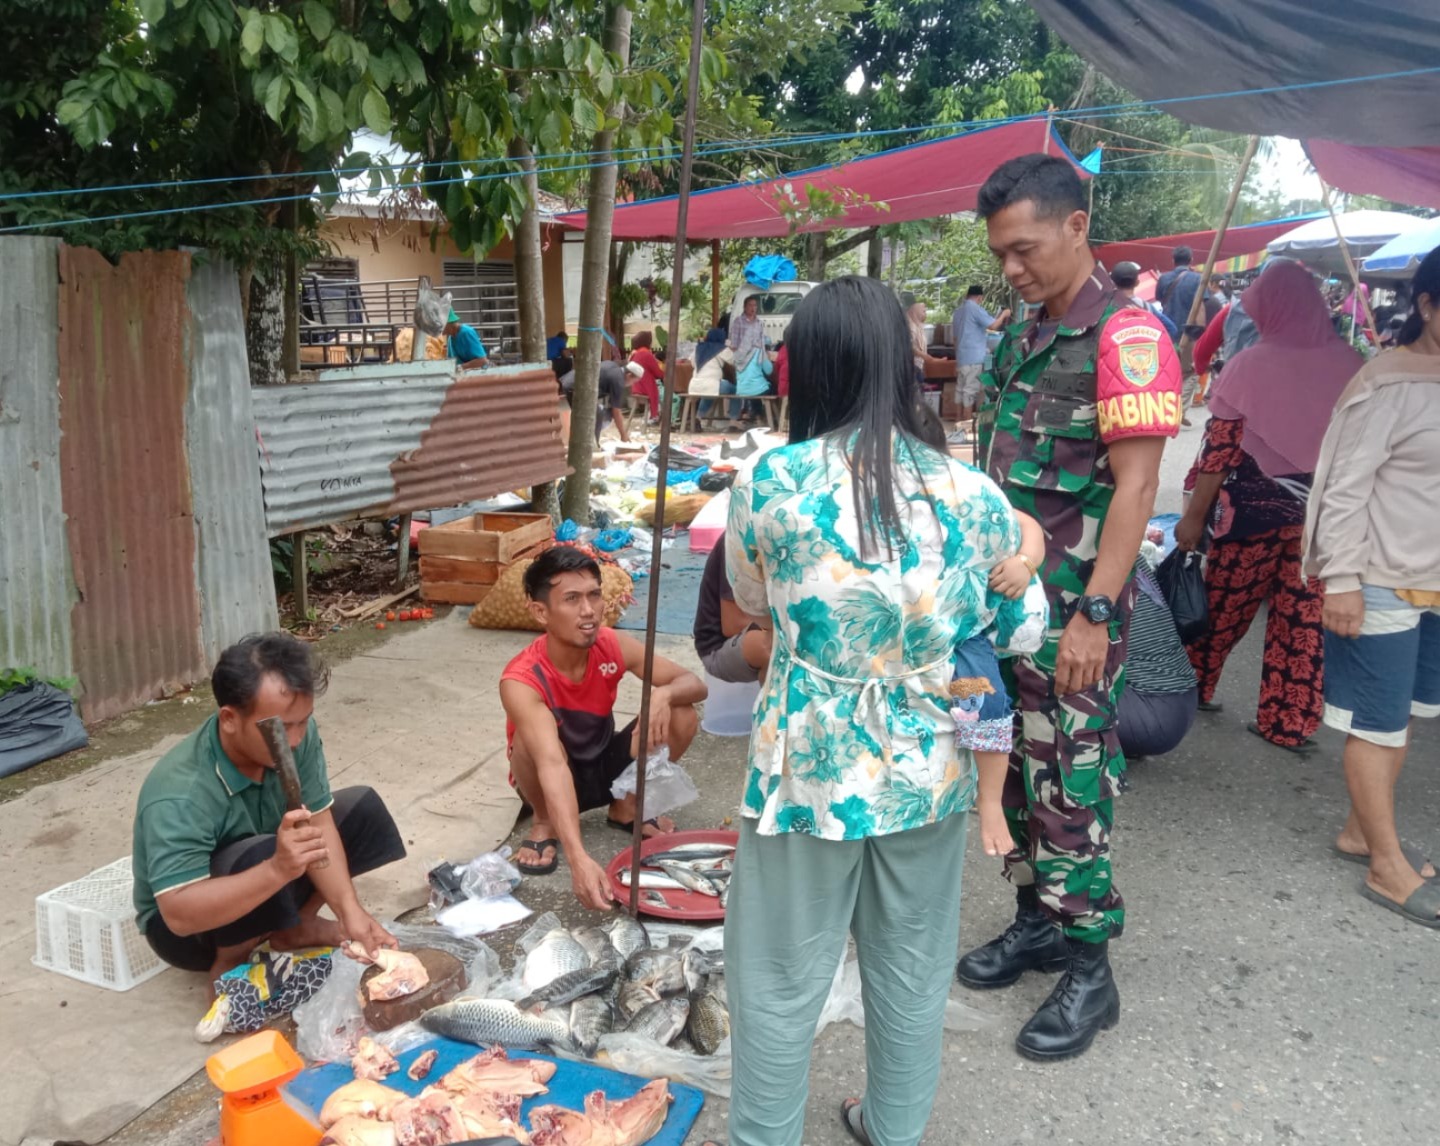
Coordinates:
x,y
277,740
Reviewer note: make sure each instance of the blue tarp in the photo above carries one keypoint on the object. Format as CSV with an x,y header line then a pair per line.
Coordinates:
x,y
763,270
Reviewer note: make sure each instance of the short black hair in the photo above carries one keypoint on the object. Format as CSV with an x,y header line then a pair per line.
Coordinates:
x,y
975,291
1046,180
246,663
540,577
1183,256
1125,274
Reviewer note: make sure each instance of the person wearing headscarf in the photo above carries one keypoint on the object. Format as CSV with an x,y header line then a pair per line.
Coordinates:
x,y
1369,536
1249,486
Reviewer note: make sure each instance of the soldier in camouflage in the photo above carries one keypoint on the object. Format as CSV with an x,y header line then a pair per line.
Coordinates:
x,y
1079,404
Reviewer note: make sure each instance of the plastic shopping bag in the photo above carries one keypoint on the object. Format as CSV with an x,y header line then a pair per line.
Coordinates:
x,y
1182,580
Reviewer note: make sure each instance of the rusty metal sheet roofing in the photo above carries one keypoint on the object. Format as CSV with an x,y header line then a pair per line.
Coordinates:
x,y
237,589
380,440
124,476
35,587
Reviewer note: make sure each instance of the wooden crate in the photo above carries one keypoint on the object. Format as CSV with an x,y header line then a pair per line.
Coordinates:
x,y
493,537
462,581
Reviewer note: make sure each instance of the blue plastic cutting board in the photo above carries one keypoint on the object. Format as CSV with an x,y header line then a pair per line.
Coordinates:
x,y
571,1083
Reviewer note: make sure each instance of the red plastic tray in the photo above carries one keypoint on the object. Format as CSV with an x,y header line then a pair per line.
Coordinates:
x,y
682,905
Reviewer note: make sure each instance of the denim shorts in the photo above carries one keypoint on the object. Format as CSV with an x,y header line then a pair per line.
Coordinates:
x,y
1376,682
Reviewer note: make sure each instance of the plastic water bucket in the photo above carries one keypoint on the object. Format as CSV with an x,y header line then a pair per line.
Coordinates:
x,y
729,707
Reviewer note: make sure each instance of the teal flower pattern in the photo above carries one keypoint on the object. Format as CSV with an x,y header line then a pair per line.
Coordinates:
x,y
853,736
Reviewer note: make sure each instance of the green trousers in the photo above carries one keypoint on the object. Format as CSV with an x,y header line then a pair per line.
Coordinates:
x,y
793,899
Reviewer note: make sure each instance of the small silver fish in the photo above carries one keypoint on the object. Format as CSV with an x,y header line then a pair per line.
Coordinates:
x,y
725,894
690,853
653,898
689,879
651,879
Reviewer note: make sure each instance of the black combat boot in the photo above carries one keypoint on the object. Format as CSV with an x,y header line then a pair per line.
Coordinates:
x,y
1031,943
1084,1003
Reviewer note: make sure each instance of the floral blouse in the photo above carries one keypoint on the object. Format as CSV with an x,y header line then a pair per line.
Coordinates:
x,y
853,735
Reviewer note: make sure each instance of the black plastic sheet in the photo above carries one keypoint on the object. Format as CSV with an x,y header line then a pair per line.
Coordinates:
x,y
37,721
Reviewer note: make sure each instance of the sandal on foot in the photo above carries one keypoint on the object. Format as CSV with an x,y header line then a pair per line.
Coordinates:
x,y
1413,856
630,826
854,1121
1210,706
538,847
1297,749
1423,906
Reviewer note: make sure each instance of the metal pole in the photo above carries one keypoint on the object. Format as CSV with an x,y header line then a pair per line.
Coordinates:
x,y
714,283
1349,262
672,341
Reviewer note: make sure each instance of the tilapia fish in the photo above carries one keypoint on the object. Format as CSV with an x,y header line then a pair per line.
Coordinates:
x,y
630,1122
591,1018
708,1023
627,934
493,1071
661,1021
555,955
657,968
361,1098
492,1021
373,1061
598,946
634,998
567,988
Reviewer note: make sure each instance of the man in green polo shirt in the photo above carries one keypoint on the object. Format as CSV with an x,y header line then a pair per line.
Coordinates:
x,y
220,865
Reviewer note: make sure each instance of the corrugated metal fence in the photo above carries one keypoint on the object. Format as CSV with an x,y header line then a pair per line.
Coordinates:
x,y
132,539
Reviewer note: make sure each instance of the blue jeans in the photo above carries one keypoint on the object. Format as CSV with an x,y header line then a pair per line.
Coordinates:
x,y
727,387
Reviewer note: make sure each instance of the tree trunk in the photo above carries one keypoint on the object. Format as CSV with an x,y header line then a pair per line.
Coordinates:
x,y
265,322
815,257
529,271
290,302
595,273
875,257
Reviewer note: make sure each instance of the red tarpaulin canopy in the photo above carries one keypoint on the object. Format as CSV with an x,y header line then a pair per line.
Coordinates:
x,y
1400,174
922,181
1154,254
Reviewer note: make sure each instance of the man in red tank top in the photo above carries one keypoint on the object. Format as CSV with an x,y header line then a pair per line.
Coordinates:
x,y
559,697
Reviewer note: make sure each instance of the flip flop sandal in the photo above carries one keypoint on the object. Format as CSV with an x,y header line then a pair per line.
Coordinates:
x,y
1210,706
854,1121
1423,906
1294,749
538,847
630,827
1413,856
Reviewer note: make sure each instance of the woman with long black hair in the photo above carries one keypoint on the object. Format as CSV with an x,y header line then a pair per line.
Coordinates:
x,y
870,553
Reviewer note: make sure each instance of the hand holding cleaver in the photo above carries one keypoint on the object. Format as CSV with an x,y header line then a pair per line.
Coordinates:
x,y
277,740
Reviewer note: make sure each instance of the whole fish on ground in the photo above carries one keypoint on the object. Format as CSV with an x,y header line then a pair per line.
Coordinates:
x,y
689,878
627,934
661,1021
708,1024
555,955
634,998
491,1021
591,1018
598,946
699,966
567,988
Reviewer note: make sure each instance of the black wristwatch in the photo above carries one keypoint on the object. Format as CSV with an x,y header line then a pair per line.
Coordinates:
x,y
1097,610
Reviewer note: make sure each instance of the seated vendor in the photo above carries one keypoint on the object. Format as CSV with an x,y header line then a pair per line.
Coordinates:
x,y
464,344
559,697
220,865
730,645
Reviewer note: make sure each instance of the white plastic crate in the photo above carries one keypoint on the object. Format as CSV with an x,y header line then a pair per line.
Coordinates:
x,y
86,929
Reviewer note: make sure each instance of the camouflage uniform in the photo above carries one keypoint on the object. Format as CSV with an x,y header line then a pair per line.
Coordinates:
x,y
1040,439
